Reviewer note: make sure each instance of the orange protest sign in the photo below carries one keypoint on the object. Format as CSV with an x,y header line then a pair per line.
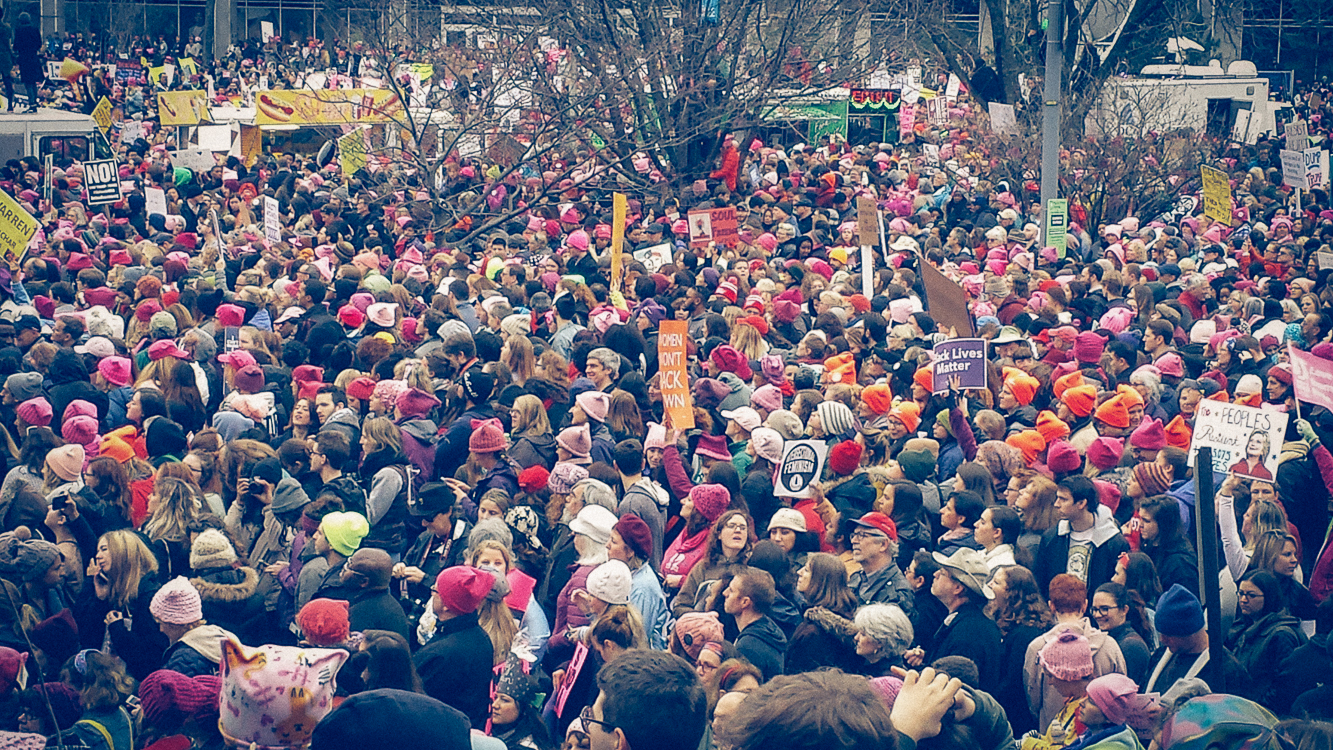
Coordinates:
x,y
675,383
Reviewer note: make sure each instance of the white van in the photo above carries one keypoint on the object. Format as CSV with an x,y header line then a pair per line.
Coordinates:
x,y
49,131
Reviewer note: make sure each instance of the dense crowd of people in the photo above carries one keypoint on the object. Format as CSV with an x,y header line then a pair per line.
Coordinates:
x,y
385,481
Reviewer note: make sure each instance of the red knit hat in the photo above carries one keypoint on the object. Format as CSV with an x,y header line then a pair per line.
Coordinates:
x,y
845,457
533,479
711,500
361,388
323,622
169,698
636,535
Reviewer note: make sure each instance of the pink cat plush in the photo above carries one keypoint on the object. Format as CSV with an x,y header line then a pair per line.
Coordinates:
x,y
273,696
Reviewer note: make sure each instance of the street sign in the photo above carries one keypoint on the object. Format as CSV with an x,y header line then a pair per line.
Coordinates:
x,y
102,180
1057,224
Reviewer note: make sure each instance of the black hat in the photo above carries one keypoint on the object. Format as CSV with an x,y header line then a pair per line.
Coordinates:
x,y
432,499
392,718
25,322
269,471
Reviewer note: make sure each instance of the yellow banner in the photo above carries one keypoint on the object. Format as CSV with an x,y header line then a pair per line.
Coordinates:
x,y
16,226
326,107
619,210
188,66
182,107
1217,196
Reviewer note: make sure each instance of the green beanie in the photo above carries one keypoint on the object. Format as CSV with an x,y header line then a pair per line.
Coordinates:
x,y
344,531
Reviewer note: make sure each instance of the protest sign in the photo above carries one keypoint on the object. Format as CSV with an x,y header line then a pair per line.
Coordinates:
x,y
619,211
1312,378
1298,136
252,142
265,31
1325,259
102,180
675,386
802,465
947,301
1316,165
102,115
17,226
713,225
654,257
964,359
952,87
272,221
351,151
867,220
196,160
906,119
1216,196
1293,170
1057,223
1003,119
155,201
1245,440
131,131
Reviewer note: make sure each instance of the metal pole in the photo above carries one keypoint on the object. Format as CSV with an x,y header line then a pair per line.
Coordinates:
x,y
1208,564
1051,109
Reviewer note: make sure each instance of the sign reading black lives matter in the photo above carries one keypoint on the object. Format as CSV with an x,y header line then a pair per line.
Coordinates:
x,y
102,180
961,358
802,465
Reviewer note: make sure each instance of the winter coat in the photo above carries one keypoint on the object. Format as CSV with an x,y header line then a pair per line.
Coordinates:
x,y
135,638
1260,645
456,667
230,597
1134,649
972,634
757,491
1012,690
534,450
646,595
566,614
451,451
1052,556
886,586
198,652
699,585
823,639
377,610
28,52
1044,700
1176,563
1305,669
854,495
419,444
763,645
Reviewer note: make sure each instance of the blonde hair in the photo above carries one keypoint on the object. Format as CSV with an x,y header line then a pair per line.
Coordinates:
x,y
128,561
520,358
415,373
493,615
746,339
383,433
175,511
530,417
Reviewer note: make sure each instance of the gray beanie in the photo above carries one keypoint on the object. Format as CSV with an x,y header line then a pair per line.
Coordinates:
x,y
288,495
26,558
24,385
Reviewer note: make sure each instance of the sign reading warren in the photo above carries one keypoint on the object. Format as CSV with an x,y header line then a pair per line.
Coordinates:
x,y
961,358
1245,440
802,465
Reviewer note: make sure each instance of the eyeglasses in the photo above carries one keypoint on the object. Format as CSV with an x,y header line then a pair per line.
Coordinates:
x,y
1103,610
585,716
1250,595
736,526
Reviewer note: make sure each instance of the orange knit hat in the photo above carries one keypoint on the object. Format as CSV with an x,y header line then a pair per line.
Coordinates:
x,y
1030,443
1051,427
1179,434
1114,412
1082,400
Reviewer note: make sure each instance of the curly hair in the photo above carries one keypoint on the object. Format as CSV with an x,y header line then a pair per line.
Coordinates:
x,y
1022,603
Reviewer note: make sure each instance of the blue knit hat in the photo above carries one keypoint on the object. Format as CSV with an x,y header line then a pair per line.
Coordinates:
x,y
1179,613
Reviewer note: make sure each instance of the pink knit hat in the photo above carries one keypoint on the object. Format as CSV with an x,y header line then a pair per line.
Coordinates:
x,y
416,403
578,441
595,404
564,476
711,500
694,629
461,589
1105,452
1068,657
35,411
767,397
177,603
116,370
67,461
1149,435
488,436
